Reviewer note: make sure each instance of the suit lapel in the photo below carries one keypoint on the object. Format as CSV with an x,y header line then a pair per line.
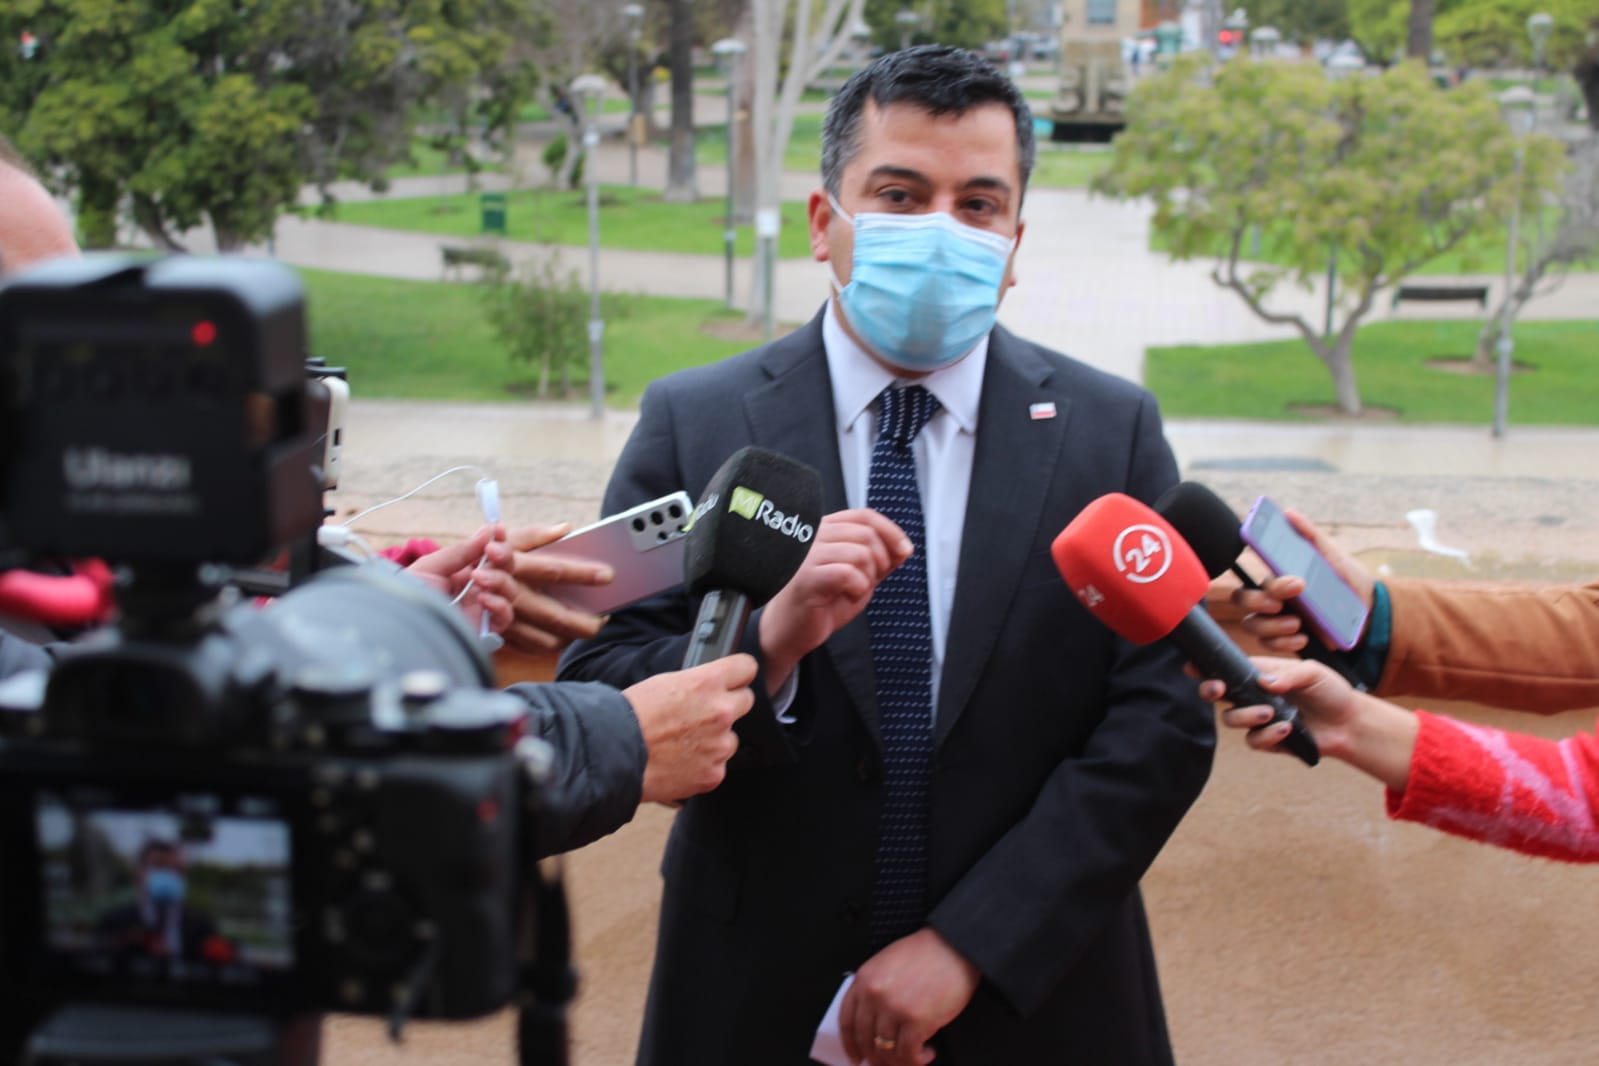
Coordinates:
x,y
1015,460
792,413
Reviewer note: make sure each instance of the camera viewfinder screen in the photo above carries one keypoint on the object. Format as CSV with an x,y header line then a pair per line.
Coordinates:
x,y
193,889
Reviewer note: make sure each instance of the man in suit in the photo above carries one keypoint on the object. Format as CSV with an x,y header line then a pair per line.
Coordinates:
x,y
161,922
1058,758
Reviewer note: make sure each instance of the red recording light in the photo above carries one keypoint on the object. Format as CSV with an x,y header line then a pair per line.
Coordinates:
x,y
203,333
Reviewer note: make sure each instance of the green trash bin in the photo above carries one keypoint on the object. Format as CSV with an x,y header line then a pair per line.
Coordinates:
x,y
493,205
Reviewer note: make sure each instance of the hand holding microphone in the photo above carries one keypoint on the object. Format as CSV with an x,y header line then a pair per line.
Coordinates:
x,y
1212,529
1132,571
751,531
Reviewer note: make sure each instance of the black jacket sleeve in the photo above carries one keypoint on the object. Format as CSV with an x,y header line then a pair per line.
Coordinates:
x,y
597,778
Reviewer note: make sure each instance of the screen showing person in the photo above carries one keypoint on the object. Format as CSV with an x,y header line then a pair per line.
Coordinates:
x,y
192,890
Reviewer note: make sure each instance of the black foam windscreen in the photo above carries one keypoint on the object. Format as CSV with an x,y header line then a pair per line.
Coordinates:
x,y
753,525
1205,521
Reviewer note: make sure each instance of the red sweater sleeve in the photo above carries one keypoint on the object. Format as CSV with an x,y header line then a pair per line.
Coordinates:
x,y
409,552
1524,793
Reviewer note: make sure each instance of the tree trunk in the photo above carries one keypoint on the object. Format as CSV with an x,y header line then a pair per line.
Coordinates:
x,y
97,211
680,182
1342,368
228,239
646,104
574,151
148,217
744,126
1482,357
1418,35
1586,72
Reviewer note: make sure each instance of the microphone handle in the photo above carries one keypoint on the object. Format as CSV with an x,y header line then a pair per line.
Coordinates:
x,y
1208,647
718,628
1337,661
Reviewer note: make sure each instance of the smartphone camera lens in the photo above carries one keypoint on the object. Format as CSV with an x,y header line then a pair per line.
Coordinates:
x,y
638,525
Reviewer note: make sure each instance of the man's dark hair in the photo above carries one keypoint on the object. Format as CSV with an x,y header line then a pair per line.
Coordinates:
x,y
9,156
936,78
158,846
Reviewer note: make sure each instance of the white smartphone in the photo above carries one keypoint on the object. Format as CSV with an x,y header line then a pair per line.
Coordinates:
x,y
643,546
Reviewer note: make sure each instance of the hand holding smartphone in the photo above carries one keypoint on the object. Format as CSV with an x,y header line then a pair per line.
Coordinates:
x,y
1332,609
643,546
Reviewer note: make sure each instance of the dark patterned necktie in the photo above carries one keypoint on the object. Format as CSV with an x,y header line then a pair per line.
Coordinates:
x,y
902,658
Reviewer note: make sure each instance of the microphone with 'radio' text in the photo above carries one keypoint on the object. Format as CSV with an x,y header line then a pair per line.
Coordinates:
x,y
1212,529
750,531
1129,567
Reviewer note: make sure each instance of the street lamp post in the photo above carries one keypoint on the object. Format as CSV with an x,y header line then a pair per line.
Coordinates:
x,y
906,20
1539,26
588,90
634,14
728,52
1518,104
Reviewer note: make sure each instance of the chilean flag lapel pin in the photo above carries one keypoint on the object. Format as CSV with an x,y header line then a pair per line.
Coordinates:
x,y
1039,411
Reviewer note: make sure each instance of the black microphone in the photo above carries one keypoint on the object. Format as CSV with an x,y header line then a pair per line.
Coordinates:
x,y
1213,530
750,531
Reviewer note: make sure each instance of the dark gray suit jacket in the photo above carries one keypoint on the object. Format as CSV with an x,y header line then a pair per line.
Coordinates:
x,y
1065,757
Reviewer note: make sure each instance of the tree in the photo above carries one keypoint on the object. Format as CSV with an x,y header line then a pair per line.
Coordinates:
x,y
1301,20
541,317
1381,174
1548,251
812,50
1494,33
962,23
581,35
1418,30
1490,33
680,180
1379,27
192,112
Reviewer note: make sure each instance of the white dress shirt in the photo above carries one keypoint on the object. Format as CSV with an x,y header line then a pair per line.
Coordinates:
x,y
943,452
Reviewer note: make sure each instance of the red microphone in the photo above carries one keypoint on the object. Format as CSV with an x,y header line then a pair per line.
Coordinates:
x,y
1128,566
80,598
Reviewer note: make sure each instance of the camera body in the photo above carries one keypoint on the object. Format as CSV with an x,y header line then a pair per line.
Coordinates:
x,y
315,805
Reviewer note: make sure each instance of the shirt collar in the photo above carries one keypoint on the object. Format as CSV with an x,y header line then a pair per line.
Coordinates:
x,y
858,378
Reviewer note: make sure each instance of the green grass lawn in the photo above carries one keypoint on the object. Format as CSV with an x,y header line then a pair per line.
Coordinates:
x,y
429,340
538,111
1554,383
1060,167
1479,253
428,161
629,218
804,147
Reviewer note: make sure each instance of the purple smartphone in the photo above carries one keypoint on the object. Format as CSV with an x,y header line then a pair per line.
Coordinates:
x,y
1332,610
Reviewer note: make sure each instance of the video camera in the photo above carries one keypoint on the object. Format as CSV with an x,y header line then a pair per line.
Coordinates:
x,y
210,806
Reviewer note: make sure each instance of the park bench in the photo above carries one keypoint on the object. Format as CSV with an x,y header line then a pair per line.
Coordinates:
x,y
1441,294
457,256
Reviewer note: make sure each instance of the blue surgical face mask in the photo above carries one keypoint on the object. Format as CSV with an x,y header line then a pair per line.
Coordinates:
x,y
164,886
923,289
